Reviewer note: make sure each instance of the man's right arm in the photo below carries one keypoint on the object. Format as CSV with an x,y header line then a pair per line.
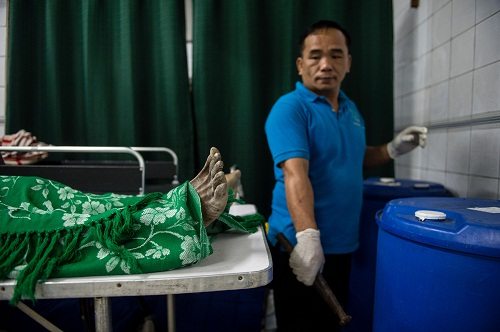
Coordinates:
x,y
299,193
307,257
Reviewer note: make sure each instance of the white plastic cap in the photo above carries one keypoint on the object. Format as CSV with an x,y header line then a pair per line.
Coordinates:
x,y
430,215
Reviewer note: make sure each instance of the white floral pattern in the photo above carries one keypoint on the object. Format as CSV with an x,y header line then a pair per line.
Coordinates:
x,y
157,252
66,193
93,207
72,219
165,235
189,255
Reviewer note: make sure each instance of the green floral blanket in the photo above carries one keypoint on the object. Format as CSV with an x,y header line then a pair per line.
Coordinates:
x,y
48,229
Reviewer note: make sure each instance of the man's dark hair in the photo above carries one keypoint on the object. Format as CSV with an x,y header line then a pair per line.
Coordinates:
x,y
324,24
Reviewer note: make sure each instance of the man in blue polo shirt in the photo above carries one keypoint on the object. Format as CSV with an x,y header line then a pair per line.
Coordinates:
x,y
316,136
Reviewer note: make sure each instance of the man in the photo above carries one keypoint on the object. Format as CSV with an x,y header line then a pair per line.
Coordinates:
x,y
317,140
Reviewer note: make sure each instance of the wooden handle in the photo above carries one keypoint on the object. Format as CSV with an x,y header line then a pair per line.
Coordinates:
x,y
321,286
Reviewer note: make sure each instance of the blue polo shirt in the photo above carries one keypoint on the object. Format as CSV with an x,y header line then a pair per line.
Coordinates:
x,y
302,124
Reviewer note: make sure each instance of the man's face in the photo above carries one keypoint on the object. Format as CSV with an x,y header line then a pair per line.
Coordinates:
x,y
324,62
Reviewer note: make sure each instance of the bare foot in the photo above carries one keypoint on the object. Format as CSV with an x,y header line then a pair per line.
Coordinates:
x,y
233,179
211,186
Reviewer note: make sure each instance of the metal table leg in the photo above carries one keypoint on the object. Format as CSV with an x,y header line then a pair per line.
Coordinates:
x,y
171,312
38,318
102,314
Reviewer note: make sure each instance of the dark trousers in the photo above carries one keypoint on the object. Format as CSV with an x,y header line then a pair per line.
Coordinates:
x,y
299,307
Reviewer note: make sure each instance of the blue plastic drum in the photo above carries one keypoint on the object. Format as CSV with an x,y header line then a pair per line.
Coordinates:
x,y
377,192
438,266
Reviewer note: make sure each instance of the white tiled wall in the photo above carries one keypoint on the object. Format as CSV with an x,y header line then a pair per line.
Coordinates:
x,y
3,45
447,77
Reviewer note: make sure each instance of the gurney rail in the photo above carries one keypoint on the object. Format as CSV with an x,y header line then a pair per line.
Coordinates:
x,y
90,149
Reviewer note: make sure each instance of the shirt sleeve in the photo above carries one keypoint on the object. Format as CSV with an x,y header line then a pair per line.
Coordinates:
x,y
287,131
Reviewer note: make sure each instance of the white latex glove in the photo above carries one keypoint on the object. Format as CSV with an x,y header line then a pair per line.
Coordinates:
x,y
407,140
307,258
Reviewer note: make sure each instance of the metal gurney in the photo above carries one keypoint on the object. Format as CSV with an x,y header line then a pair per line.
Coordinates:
x,y
221,275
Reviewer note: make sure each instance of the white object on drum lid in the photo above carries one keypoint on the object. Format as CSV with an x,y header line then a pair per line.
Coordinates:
x,y
430,215
421,185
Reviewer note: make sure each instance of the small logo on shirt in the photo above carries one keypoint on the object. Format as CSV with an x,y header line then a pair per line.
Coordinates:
x,y
356,120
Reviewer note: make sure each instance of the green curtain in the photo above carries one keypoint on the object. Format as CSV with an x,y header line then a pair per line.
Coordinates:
x,y
115,73
101,73
244,55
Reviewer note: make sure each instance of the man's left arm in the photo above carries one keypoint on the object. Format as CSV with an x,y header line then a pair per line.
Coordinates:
x,y
407,140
